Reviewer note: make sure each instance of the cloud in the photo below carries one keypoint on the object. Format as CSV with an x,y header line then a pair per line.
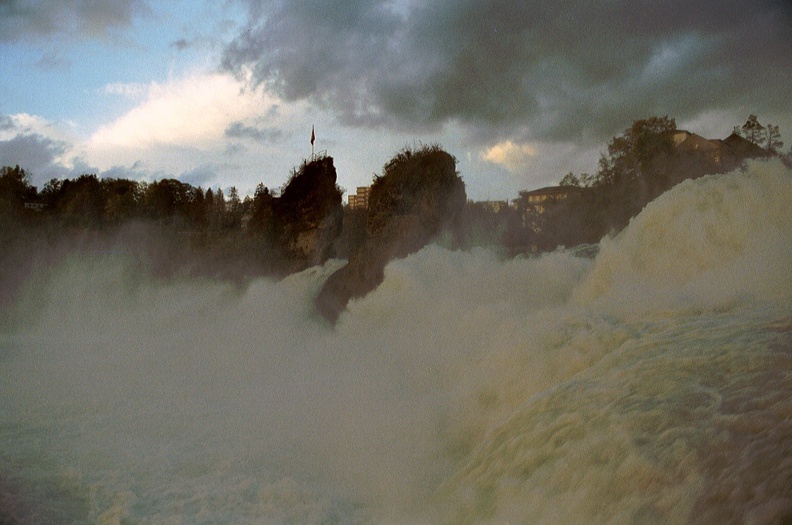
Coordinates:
x,y
24,123
181,44
192,111
125,89
6,123
53,61
42,157
35,153
510,155
238,130
77,19
200,176
529,69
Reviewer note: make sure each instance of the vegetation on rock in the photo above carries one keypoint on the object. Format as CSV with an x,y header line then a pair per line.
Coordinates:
x,y
418,195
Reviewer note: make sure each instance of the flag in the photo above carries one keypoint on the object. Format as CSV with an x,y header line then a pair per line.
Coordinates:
x,y
313,136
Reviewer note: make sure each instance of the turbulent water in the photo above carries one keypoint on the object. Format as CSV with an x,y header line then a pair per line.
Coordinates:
x,y
649,384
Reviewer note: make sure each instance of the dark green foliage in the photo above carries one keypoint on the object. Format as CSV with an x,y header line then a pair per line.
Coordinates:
x,y
260,223
641,151
773,142
570,179
418,195
640,165
422,182
15,190
752,130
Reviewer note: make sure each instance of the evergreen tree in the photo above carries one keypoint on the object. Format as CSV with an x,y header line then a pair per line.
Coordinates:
x,y
570,179
752,130
638,152
773,142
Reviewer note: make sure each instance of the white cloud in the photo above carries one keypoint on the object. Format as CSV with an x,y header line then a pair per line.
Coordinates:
x,y
24,123
510,155
191,112
129,89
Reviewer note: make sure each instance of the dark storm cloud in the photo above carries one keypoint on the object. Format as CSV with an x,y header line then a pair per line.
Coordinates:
x,y
40,157
35,153
200,176
31,19
238,130
551,70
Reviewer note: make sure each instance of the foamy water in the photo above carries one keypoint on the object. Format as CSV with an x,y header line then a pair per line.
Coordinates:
x,y
650,384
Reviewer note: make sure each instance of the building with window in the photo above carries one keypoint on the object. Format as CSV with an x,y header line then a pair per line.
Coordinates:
x,y
359,200
538,200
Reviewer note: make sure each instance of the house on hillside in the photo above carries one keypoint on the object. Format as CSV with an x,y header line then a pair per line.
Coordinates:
x,y
678,136
743,148
538,200
713,155
714,150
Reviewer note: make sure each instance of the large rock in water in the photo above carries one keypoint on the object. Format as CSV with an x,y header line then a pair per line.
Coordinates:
x,y
418,195
308,215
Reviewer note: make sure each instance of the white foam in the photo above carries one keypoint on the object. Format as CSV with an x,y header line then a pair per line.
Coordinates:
x,y
638,386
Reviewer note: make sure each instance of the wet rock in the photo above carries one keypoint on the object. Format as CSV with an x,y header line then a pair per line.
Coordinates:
x,y
308,215
417,197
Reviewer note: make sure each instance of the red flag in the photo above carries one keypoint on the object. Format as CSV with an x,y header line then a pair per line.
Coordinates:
x,y
313,136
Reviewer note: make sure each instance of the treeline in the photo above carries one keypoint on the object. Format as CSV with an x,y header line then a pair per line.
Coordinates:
x,y
638,166
213,232
169,227
92,202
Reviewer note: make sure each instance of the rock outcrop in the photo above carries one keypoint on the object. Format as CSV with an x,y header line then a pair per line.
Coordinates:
x,y
419,195
307,217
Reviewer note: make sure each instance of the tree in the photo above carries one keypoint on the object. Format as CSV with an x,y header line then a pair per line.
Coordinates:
x,y
638,152
233,216
786,158
570,179
261,220
15,185
218,212
773,142
122,199
15,189
198,209
233,198
752,130
82,201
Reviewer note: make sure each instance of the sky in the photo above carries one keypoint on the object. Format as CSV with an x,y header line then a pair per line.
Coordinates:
x,y
225,93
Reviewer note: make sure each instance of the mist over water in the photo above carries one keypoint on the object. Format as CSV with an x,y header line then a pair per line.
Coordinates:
x,y
648,384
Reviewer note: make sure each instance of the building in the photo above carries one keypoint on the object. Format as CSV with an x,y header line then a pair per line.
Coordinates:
x,y
722,154
714,150
360,199
744,148
537,200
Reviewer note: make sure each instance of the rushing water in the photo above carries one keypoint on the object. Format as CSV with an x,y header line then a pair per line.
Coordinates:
x,y
650,384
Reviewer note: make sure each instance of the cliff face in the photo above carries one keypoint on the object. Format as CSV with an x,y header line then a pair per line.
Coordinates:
x,y
418,195
307,217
